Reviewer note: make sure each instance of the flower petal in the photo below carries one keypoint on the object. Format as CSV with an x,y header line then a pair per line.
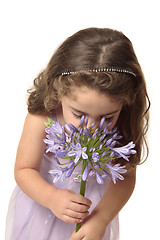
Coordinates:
x,y
71,153
81,121
69,172
87,133
73,128
71,164
77,159
99,178
67,128
102,122
85,174
84,155
56,178
86,121
61,153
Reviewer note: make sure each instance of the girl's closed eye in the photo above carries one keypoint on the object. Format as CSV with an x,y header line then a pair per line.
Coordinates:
x,y
77,115
109,118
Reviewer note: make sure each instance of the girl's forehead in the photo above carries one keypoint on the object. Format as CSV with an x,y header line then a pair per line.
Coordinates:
x,y
89,100
87,94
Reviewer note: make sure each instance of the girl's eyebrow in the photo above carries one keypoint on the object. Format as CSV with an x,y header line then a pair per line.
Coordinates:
x,y
107,114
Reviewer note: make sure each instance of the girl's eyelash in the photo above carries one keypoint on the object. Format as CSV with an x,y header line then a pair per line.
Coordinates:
x,y
108,118
77,116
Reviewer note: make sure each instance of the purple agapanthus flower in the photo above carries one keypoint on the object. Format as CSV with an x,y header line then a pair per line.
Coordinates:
x,y
78,151
116,171
94,150
56,137
95,156
61,153
57,173
125,151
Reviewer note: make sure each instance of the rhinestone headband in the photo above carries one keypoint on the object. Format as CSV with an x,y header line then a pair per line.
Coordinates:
x,y
118,70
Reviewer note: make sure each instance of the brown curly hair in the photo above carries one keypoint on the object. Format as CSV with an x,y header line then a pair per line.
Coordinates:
x,y
97,48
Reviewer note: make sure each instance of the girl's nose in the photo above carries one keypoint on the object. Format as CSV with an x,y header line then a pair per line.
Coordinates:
x,y
91,122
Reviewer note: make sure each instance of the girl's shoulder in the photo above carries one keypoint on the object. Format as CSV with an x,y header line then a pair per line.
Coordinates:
x,y
31,146
34,124
36,120
36,117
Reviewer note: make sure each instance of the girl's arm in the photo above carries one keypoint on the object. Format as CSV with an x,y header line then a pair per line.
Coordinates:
x,y
65,204
113,200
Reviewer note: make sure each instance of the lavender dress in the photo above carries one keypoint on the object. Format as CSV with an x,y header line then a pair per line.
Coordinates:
x,y
28,220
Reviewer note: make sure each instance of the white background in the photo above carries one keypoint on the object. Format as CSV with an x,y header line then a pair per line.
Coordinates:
x,y
29,33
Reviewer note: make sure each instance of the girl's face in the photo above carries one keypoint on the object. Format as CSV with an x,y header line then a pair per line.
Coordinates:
x,y
91,103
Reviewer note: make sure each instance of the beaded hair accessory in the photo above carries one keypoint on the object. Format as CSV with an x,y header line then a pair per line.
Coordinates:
x,y
112,69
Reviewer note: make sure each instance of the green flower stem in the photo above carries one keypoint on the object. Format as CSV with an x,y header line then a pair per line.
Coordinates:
x,y
82,192
83,187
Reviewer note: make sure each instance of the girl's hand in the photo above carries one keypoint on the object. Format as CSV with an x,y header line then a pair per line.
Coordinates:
x,y
68,206
93,228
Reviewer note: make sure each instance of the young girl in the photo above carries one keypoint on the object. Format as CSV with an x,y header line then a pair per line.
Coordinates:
x,y
94,73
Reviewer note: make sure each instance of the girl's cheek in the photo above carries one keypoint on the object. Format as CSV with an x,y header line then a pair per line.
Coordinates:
x,y
114,121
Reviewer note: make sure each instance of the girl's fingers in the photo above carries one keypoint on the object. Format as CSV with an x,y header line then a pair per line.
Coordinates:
x,y
69,219
74,214
78,207
81,200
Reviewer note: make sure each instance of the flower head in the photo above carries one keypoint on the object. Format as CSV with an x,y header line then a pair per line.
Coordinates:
x,y
96,150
